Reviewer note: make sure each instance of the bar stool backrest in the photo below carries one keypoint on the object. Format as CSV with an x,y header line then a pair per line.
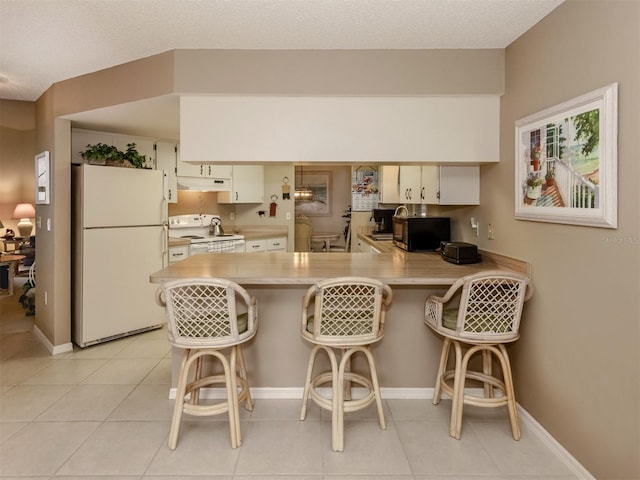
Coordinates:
x,y
490,307
346,310
209,312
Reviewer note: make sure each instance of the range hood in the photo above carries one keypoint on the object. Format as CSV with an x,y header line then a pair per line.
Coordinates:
x,y
201,184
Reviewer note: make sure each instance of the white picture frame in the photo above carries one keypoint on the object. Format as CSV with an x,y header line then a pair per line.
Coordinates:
x,y
43,178
566,162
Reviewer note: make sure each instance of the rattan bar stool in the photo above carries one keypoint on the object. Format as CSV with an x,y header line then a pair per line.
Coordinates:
x,y
344,315
209,318
487,317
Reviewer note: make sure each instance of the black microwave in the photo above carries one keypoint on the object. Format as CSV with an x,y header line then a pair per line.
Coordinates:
x,y
416,234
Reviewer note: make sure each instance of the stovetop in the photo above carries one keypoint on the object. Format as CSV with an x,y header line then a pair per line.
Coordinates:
x,y
196,228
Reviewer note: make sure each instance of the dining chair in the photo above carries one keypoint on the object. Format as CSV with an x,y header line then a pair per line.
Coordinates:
x,y
486,318
302,235
343,317
346,246
209,318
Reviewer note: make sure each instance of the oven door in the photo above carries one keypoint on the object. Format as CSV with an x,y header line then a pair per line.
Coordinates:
x,y
219,246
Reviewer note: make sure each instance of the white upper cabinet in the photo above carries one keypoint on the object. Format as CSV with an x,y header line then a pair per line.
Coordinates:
x,y
204,170
166,160
440,185
247,185
451,185
256,129
410,183
389,179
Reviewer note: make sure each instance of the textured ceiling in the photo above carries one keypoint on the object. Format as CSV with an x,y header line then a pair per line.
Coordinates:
x,y
46,41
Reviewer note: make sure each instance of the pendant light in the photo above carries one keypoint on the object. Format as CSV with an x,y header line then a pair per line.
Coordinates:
x,y
301,192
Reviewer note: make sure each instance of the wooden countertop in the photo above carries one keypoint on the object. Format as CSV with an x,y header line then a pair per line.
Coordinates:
x,y
306,268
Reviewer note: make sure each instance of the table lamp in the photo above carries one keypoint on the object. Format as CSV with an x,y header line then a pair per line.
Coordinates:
x,y
24,211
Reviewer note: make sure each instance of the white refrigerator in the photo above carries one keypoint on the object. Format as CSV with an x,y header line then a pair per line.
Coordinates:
x,y
119,238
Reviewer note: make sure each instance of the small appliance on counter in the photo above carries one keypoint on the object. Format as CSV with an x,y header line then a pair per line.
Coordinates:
x,y
383,229
460,252
420,234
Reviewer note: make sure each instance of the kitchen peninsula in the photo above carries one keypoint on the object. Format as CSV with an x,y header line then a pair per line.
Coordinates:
x,y
406,358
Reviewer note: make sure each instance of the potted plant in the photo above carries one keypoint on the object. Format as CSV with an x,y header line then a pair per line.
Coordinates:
x,y
535,157
550,176
102,154
534,186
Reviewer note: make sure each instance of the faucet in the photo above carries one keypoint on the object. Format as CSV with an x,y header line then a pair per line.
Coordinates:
x,y
401,207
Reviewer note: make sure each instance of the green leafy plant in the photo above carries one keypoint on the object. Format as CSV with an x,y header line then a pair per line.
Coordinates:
x,y
102,154
133,157
534,181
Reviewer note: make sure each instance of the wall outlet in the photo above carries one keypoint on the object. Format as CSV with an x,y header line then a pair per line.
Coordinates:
x,y
490,232
288,216
232,215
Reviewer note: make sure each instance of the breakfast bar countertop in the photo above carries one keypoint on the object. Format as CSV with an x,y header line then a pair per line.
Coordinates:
x,y
305,268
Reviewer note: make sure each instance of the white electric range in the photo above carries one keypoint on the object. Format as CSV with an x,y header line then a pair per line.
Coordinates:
x,y
196,228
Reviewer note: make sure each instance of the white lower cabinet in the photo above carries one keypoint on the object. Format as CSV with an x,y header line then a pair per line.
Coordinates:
x,y
178,252
255,246
277,244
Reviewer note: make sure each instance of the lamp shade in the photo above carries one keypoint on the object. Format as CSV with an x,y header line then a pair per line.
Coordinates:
x,y
24,210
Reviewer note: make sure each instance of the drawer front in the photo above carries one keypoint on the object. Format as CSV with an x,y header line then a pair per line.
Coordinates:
x,y
255,246
277,244
178,253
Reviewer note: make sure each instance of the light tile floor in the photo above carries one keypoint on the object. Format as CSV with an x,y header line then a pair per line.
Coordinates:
x,y
103,413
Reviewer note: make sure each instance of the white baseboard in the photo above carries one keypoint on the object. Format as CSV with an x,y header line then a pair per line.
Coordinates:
x,y
568,459
295,393
51,348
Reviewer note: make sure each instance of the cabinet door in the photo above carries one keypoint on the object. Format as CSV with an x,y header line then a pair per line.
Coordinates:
x,y
430,184
459,185
205,170
389,183
178,253
410,183
247,185
187,169
166,160
213,170
277,244
255,246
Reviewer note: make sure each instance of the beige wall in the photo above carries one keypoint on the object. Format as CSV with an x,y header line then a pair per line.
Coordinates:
x,y
17,150
577,362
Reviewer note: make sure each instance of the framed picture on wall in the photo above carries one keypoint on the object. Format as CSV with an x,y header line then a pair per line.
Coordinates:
x,y
43,178
313,193
566,162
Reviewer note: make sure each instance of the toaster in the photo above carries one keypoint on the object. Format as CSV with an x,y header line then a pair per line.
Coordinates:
x,y
460,252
